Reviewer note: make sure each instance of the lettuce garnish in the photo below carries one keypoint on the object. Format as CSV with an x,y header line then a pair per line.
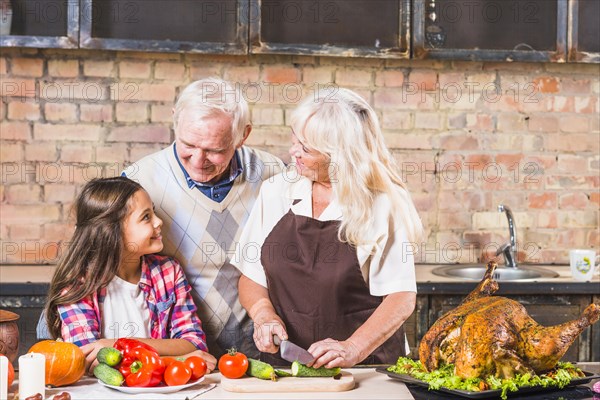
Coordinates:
x,y
444,376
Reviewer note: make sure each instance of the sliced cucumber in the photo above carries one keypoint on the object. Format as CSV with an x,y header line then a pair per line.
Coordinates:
x,y
282,374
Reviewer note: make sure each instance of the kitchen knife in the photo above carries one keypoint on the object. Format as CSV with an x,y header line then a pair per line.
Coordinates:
x,y
292,352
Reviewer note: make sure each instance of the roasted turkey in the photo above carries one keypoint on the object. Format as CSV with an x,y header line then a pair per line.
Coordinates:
x,y
492,335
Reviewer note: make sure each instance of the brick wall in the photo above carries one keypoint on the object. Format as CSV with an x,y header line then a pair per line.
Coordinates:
x,y
468,136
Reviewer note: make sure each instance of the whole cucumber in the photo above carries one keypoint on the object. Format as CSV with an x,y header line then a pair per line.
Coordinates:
x,y
108,375
261,370
109,356
300,370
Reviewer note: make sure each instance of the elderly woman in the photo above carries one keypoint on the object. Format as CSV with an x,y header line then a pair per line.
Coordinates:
x,y
334,272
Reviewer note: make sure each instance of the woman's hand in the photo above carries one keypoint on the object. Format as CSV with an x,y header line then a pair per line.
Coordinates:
x,y
211,362
333,353
90,351
387,319
267,325
255,299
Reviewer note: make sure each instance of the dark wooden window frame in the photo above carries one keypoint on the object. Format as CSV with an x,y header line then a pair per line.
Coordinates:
x,y
420,51
87,41
70,41
574,54
259,47
247,41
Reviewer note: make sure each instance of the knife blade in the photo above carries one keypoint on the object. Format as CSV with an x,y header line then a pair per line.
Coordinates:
x,y
292,352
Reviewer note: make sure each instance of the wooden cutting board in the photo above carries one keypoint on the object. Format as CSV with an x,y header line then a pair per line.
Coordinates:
x,y
289,384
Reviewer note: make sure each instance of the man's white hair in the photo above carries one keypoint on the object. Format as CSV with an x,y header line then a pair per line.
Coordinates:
x,y
212,96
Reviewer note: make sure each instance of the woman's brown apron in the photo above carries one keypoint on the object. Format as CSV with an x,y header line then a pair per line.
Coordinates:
x,y
316,286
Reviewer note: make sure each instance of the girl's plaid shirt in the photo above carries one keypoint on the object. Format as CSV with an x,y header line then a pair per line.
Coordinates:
x,y
167,292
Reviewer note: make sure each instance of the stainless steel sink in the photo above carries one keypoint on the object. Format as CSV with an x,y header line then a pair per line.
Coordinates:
x,y
475,272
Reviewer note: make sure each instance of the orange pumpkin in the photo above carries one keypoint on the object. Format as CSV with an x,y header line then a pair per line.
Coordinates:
x,y
65,362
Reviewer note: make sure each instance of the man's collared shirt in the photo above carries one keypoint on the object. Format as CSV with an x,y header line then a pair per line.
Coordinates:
x,y
219,190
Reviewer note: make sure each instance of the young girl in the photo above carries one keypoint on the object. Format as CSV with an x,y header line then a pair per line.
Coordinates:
x,y
110,284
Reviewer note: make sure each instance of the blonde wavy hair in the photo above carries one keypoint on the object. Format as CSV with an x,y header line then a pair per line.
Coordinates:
x,y
341,125
210,96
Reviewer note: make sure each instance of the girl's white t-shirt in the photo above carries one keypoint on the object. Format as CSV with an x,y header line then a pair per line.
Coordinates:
x,y
125,312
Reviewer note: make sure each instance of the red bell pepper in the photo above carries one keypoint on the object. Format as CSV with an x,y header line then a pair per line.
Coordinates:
x,y
127,346
124,345
143,368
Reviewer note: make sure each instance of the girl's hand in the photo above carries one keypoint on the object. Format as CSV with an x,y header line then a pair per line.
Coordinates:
x,y
267,325
332,353
90,351
211,362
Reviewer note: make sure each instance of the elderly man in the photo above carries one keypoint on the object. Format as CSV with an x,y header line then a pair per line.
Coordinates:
x,y
203,187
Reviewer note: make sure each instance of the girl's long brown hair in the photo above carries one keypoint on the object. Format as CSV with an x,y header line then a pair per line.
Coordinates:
x,y
93,256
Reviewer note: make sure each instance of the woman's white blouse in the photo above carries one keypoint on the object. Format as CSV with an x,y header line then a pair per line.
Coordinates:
x,y
387,265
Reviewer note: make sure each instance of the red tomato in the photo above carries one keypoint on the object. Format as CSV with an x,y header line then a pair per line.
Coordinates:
x,y
197,365
233,365
11,373
177,373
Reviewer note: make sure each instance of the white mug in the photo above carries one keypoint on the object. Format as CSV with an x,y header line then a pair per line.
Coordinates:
x,y
583,264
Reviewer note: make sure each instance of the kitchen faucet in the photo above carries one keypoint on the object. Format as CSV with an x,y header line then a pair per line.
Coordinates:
x,y
509,250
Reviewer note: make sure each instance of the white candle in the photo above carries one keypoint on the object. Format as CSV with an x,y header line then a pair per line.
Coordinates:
x,y
3,378
32,375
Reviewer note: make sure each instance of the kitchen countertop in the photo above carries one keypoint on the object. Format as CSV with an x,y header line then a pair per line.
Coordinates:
x,y
369,385
33,280
428,283
25,280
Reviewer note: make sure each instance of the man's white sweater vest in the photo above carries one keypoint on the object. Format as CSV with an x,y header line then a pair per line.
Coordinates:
x,y
203,234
